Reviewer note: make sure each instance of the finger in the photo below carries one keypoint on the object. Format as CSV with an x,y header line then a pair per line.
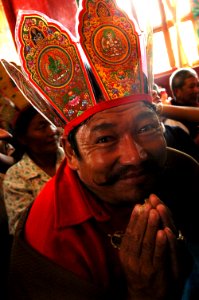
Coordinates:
x,y
160,250
149,240
133,237
173,251
166,217
164,212
154,200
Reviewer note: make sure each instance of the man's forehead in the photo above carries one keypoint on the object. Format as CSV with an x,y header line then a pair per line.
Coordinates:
x,y
192,79
120,109
112,117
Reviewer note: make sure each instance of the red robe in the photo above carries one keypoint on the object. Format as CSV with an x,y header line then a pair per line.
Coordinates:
x,y
69,229
74,232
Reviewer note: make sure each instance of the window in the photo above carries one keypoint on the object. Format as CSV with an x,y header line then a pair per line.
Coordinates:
x,y
175,38
175,32
7,46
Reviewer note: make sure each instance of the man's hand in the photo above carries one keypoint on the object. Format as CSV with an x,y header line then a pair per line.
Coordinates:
x,y
148,251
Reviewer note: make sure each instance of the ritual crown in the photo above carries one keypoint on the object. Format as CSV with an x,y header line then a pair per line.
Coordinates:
x,y
70,78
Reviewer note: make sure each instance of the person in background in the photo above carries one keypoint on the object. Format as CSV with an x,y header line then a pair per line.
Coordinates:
x,y
8,110
6,151
6,160
184,84
119,219
38,155
180,113
160,95
175,136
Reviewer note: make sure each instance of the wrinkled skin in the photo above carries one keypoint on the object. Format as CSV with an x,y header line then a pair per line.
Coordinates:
x,y
188,94
148,253
122,151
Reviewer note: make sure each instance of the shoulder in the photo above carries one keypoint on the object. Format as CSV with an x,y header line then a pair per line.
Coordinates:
x,y
25,160
177,158
14,170
182,169
180,190
25,173
20,168
172,122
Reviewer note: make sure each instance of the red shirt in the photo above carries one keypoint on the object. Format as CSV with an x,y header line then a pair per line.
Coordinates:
x,y
70,227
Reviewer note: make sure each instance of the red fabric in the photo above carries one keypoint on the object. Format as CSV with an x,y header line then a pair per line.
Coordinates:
x,y
70,227
105,105
67,225
54,9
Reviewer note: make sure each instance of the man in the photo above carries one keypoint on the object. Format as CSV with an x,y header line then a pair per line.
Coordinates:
x,y
119,161
184,84
175,136
37,157
101,228
6,150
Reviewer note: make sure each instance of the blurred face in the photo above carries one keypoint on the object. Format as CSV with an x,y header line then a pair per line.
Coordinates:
x,y
41,137
189,94
122,152
155,96
6,148
3,147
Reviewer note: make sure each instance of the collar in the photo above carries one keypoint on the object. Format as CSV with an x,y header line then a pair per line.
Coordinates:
x,y
74,204
33,170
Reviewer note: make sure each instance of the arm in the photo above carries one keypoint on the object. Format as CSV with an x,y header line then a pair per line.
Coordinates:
x,y
179,113
6,159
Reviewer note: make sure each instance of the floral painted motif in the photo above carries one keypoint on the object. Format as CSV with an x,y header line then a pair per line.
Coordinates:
x,y
57,63
52,61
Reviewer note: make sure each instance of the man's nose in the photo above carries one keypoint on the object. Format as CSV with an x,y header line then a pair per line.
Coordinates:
x,y
197,88
130,151
52,130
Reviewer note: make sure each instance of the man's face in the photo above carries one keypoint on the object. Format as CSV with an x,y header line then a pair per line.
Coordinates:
x,y
122,151
189,94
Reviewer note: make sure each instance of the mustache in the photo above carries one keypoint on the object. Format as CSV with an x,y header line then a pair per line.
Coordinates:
x,y
122,172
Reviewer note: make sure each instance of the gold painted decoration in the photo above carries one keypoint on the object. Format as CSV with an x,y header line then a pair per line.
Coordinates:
x,y
74,78
50,57
112,41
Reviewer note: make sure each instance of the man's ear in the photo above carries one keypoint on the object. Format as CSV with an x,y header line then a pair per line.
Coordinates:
x,y
72,159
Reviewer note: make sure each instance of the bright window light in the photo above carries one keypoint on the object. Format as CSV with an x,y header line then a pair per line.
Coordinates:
x,y
160,56
148,13
6,40
190,47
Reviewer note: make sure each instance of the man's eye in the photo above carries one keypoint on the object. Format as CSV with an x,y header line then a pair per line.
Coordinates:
x,y
40,127
149,128
104,139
